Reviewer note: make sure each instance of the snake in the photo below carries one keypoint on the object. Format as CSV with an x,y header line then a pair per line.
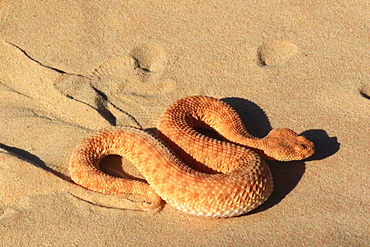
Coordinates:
x,y
212,176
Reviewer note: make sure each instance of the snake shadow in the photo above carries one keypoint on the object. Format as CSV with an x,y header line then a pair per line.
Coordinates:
x,y
31,158
286,175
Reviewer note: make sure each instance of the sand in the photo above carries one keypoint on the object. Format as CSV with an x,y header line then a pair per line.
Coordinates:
x,y
68,68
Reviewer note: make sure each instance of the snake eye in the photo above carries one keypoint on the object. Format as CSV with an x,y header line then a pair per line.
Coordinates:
x,y
301,147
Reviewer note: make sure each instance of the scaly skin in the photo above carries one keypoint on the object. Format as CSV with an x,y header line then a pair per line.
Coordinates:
x,y
221,178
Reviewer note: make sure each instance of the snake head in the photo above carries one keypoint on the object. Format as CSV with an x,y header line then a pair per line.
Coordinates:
x,y
286,145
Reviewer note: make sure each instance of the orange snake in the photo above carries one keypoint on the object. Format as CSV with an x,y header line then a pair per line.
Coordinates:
x,y
192,172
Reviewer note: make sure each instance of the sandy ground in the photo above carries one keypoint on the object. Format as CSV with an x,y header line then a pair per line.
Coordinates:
x,y
68,68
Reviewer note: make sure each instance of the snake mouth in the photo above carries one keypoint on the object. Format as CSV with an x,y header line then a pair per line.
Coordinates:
x,y
300,152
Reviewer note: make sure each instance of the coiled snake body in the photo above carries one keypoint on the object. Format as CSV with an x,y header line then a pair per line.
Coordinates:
x,y
211,178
